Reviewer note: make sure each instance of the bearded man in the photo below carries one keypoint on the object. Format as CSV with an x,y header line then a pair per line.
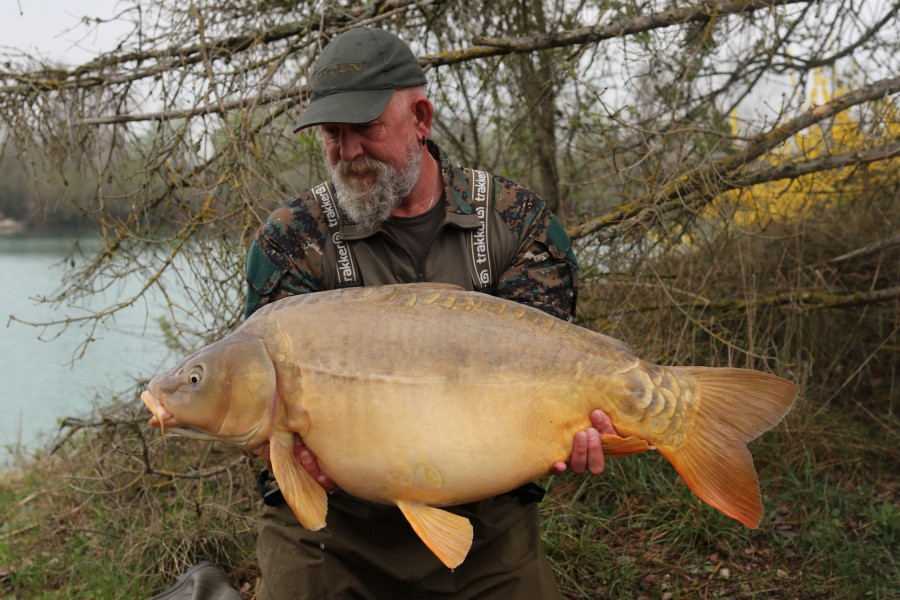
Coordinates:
x,y
397,210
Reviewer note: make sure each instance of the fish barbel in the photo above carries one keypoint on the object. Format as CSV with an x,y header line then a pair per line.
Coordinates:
x,y
426,396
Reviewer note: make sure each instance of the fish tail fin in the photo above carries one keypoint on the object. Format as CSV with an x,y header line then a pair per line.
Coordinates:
x,y
734,406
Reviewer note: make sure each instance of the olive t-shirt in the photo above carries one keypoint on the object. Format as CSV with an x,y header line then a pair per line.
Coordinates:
x,y
416,233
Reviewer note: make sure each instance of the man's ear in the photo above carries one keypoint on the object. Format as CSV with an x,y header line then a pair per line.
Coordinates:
x,y
423,111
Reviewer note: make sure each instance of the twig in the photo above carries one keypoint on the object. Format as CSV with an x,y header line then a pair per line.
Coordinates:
x,y
872,248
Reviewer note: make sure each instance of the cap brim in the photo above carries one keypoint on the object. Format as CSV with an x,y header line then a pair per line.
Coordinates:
x,y
346,107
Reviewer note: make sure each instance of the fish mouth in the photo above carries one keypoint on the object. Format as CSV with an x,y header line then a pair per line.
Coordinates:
x,y
164,420
161,418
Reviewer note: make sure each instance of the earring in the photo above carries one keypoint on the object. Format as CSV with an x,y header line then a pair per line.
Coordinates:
x,y
422,141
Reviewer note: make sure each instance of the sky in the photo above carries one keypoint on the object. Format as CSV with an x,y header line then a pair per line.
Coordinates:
x,y
53,28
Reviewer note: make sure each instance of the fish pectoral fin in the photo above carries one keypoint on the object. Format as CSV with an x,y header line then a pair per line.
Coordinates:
x,y
304,495
448,535
615,446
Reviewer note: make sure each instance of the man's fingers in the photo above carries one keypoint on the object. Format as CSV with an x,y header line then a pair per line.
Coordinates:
x,y
327,483
309,462
587,450
595,459
587,454
305,457
578,460
602,423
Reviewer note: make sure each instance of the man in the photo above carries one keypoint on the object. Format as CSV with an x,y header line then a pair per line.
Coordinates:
x,y
396,210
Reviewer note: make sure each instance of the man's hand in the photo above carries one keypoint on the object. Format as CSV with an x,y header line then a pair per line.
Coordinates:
x,y
307,460
305,457
587,453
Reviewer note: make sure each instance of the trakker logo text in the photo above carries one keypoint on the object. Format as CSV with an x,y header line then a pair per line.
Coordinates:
x,y
346,266
327,205
344,260
479,237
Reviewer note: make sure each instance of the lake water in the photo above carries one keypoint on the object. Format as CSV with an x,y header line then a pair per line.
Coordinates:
x,y
39,381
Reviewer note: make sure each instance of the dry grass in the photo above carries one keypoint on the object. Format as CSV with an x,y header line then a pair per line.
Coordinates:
x,y
116,513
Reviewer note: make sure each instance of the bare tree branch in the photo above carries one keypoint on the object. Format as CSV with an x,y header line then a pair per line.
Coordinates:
x,y
96,72
487,47
792,170
889,16
83,76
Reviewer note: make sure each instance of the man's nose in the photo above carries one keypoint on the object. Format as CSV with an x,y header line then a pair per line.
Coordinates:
x,y
350,144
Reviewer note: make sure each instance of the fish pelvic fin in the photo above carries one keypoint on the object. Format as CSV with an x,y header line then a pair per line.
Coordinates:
x,y
734,407
304,495
448,535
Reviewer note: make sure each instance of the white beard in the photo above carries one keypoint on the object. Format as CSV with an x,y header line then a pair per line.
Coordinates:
x,y
371,205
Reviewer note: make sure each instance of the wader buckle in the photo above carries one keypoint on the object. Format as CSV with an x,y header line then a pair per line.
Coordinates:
x,y
268,489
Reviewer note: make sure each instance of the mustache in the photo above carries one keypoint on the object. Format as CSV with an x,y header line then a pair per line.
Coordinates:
x,y
359,166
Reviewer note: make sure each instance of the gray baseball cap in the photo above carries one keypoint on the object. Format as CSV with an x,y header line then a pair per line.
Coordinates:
x,y
356,76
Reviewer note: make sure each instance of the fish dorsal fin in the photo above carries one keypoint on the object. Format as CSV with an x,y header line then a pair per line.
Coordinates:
x,y
434,285
303,494
449,536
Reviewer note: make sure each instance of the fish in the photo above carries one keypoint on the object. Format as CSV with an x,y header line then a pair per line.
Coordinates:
x,y
426,396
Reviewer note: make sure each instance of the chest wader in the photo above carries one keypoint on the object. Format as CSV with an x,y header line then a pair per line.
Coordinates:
x,y
506,560
203,581
481,188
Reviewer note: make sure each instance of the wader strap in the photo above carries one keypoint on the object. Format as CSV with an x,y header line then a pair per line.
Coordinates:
x,y
479,239
479,242
347,269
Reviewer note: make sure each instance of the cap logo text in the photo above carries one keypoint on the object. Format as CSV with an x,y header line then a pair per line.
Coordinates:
x,y
338,69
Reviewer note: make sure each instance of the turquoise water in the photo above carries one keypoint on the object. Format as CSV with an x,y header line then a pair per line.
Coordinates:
x,y
41,378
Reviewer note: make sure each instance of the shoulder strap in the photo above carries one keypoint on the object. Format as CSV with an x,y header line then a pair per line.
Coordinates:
x,y
482,189
479,239
347,269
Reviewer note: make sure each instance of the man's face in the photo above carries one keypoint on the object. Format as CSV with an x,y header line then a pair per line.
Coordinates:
x,y
374,165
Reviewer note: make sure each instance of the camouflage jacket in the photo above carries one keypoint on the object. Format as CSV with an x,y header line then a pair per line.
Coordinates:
x,y
530,254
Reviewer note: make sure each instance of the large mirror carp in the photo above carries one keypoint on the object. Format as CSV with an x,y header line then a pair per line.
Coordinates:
x,y
425,396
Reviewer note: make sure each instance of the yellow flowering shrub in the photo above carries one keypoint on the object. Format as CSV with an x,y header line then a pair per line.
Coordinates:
x,y
850,131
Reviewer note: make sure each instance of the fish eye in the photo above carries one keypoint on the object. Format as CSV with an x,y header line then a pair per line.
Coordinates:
x,y
195,375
